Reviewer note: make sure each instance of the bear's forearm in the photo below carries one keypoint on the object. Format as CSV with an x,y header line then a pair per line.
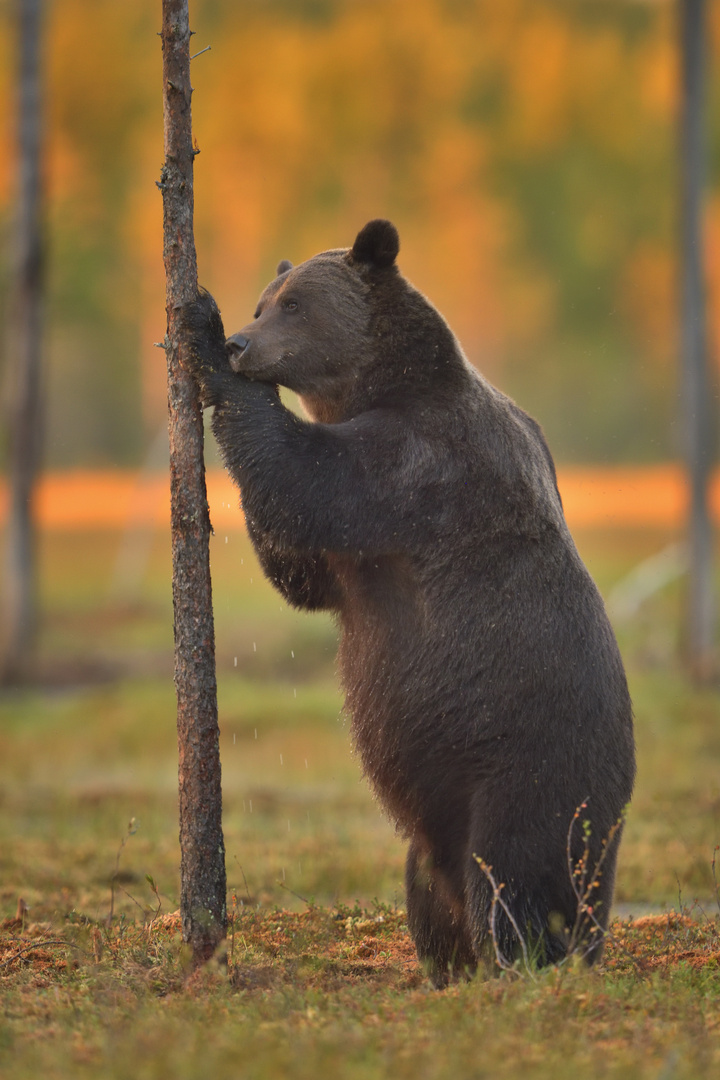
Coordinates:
x,y
284,488
306,581
304,484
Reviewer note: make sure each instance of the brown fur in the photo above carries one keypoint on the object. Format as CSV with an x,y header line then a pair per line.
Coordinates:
x,y
419,504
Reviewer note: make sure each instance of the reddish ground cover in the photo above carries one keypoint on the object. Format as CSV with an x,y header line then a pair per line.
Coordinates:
x,y
269,947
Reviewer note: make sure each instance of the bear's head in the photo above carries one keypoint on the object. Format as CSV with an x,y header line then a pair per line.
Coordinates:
x,y
336,328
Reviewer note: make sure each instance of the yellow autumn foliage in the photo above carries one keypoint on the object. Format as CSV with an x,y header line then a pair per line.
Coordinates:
x,y
524,148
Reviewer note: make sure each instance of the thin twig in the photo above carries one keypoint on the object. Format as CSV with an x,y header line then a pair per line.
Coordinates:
x,y
498,900
206,49
137,903
156,914
131,830
247,890
297,894
585,912
568,847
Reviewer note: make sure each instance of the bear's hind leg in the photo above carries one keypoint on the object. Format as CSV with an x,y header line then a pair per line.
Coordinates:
x,y
532,920
436,919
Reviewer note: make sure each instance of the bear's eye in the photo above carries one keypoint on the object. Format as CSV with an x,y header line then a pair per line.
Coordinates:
x,y
290,305
257,313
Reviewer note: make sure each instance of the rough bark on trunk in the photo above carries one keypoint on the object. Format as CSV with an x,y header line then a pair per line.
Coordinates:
x,y
24,332
202,868
698,398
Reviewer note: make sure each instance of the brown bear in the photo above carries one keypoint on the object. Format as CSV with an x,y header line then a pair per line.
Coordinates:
x,y
419,504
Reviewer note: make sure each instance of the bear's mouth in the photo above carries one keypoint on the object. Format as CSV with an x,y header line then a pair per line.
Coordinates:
x,y
237,365
271,374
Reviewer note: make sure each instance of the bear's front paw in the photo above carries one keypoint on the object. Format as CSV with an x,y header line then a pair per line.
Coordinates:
x,y
203,334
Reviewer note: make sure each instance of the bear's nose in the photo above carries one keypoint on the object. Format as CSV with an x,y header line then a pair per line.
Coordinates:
x,y
236,345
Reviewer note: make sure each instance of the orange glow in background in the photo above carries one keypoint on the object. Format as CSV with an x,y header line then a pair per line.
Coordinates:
x,y
603,496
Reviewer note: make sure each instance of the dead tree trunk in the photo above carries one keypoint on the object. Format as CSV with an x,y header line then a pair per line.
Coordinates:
x,y
24,331
698,399
202,868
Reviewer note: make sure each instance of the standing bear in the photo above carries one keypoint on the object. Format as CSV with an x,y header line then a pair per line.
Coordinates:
x,y
419,505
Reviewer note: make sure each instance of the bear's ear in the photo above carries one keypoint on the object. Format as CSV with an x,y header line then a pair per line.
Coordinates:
x,y
377,244
283,267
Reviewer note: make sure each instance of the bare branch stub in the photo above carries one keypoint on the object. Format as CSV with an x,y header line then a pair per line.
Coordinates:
x,y
203,880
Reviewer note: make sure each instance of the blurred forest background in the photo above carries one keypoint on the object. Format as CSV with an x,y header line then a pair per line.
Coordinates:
x,y
527,151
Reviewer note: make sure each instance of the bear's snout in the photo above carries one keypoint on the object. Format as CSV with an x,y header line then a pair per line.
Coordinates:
x,y
235,346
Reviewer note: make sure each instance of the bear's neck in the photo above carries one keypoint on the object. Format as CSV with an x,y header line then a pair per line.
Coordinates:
x,y
384,385
326,411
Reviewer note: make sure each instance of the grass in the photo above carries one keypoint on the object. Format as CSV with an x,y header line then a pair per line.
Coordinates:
x,y
328,984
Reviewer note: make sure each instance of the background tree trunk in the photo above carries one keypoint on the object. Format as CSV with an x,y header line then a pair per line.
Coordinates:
x,y
698,399
202,868
24,332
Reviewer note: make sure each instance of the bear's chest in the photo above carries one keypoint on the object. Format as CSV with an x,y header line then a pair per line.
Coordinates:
x,y
375,585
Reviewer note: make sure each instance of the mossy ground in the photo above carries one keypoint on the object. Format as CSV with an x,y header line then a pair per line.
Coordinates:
x,y
318,976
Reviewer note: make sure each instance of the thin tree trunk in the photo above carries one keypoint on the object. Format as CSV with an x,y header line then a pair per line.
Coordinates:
x,y
24,331
202,868
699,428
